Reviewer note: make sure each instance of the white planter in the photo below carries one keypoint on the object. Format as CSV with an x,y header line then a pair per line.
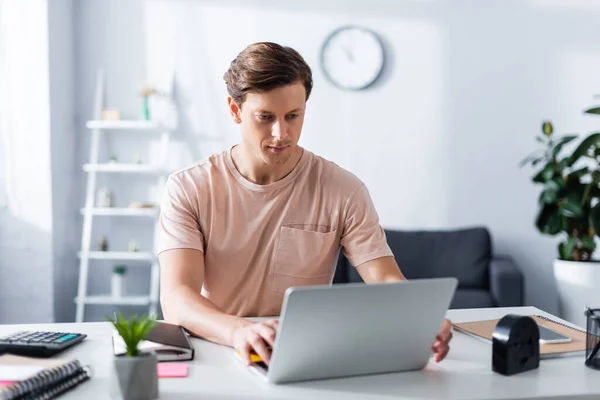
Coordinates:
x,y
578,285
116,285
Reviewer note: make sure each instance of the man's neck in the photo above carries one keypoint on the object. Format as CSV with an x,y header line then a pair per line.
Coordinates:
x,y
256,171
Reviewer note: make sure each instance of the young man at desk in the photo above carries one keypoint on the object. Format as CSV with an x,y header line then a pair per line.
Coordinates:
x,y
242,226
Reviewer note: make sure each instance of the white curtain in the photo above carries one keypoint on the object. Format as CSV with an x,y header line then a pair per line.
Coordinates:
x,y
6,168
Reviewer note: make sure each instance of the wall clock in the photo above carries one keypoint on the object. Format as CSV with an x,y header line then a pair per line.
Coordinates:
x,y
352,58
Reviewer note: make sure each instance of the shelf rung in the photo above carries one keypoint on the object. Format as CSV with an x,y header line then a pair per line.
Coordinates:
x,y
122,168
119,255
139,125
123,211
132,300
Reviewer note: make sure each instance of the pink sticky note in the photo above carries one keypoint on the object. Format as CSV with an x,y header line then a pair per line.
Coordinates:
x,y
172,370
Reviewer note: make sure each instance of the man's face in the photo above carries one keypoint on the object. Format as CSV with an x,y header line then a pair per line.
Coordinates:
x,y
271,122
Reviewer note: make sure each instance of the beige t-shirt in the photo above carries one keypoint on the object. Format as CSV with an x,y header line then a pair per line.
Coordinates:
x,y
259,240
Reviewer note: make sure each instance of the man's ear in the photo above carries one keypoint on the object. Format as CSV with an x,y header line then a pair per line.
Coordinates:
x,y
234,110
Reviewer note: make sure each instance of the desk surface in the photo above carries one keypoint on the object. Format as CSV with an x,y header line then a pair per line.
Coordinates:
x,y
465,374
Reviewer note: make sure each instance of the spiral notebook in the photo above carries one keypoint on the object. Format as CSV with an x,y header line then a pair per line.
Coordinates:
x,y
485,329
33,378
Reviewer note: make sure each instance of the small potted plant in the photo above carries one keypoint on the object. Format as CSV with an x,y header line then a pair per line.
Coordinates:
x,y
569,206
116,285
134,375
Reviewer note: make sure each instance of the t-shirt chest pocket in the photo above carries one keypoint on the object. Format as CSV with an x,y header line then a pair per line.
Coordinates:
x,y
304,256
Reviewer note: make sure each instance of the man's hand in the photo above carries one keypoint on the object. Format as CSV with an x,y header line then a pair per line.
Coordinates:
x,y
258,337
441,347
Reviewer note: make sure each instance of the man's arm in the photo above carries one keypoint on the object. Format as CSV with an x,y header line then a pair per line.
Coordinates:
x,y
382,269
385,269
182,276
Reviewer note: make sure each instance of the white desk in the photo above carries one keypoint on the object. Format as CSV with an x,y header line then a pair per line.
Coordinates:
x,y
465,374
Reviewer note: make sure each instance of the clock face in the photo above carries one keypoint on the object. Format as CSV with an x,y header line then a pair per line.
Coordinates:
x,y
352,58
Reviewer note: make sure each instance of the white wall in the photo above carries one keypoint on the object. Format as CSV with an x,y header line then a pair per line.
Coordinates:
x,y
26,268
437,141
65,191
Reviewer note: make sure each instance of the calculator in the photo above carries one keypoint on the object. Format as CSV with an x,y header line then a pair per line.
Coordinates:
x,y
37,343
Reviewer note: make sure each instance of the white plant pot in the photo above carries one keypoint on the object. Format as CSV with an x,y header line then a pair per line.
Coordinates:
x,y
578,285
116,285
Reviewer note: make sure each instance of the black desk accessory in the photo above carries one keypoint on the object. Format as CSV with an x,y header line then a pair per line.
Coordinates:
x,y
515,345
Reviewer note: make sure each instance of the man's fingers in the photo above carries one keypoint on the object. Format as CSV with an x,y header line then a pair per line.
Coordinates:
x,y
446,332
442,354
259,346
272,322
268,333
245,353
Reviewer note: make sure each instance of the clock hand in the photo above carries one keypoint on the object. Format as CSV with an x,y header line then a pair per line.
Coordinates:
x,y
348,53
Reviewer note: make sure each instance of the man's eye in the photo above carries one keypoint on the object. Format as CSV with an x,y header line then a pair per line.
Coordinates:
x,y
292,116
265,117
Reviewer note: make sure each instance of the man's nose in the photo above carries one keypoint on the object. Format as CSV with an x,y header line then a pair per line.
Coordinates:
x,y
279,131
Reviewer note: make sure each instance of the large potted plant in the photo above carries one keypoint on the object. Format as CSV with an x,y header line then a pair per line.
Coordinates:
x,y
569,207
134,375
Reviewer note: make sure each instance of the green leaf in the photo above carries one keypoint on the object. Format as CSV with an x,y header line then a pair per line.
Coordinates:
x,y
544,173
591,141
540,139
537,160
548,220
579,172
559,145
566,250
548,172
571,208
550,193
595,218
594,110
531,157
589,243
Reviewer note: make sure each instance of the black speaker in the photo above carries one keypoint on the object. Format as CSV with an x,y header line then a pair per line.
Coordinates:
x,y
515,345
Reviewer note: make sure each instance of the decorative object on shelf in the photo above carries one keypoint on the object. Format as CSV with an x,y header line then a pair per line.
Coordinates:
x,y
134,374
569,206
352,58
105,198
112,160
134,245
139,204
137,158
116,284
103,244
147,93
110,114
515,345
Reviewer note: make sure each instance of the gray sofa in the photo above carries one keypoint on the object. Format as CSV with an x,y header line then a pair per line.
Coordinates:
x,y
485,280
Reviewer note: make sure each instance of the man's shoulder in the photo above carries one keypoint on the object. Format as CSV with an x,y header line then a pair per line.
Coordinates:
x,y
198,171
332,175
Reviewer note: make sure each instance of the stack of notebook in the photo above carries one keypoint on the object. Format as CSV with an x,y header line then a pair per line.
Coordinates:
x,y
33,378
484,330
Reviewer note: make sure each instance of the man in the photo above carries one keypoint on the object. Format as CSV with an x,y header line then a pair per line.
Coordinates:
x,y
241,227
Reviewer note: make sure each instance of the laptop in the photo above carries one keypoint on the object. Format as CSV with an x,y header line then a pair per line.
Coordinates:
x,y
356,329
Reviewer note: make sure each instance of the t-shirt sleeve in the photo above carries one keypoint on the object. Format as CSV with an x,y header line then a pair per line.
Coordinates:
x,y
363,239
178,221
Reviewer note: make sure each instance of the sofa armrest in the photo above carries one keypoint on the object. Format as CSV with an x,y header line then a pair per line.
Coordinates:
x,y
506,282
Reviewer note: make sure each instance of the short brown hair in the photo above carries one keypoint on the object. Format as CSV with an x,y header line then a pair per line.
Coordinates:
x,y
265,66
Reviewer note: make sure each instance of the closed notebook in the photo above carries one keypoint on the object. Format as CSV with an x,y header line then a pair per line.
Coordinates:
x,y
34,378
169,342
485,329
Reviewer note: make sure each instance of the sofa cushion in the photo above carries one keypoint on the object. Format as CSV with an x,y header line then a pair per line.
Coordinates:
x,y
463,254
472,298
